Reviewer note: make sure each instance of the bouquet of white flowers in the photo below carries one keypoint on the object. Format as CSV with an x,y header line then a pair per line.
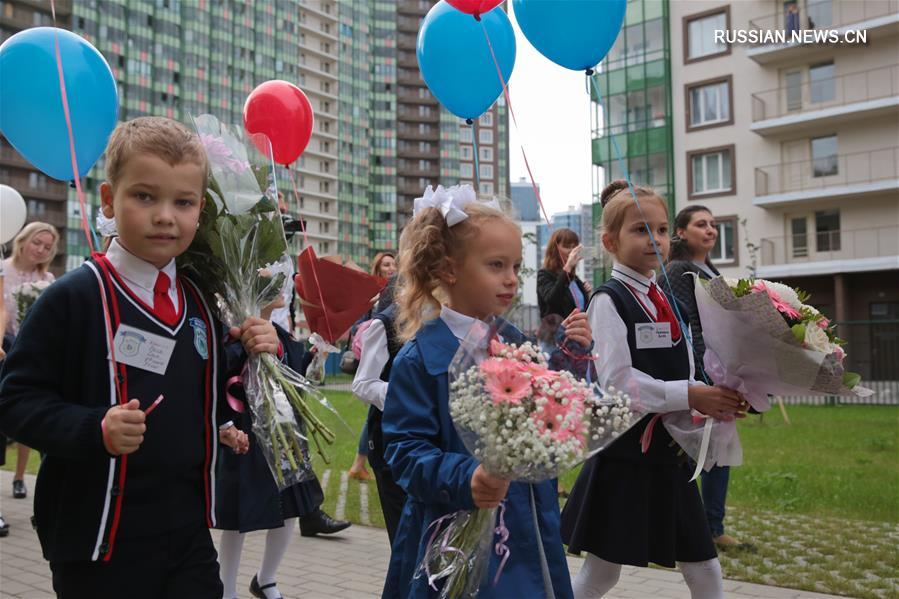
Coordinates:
x,y
239,258
25,295
524,422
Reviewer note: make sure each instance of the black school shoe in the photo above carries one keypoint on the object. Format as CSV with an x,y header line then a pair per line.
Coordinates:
x,y
256,590
19,491
4,527
321,523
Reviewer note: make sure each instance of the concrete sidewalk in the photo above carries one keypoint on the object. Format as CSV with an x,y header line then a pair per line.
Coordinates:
x,y
345,566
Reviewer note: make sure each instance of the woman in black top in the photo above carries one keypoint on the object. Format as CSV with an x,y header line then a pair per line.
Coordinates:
x,y
696,234
559,290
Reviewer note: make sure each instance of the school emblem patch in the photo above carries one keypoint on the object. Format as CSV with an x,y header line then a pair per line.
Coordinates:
x,y
200,343
645,334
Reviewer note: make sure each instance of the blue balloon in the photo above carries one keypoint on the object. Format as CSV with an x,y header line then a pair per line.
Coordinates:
x,y
455,60
575,34
31,112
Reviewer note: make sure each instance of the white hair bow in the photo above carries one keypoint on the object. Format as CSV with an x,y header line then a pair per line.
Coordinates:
x,y
450,201
106,226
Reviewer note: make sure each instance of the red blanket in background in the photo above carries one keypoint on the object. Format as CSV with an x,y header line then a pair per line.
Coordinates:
x,y
333,296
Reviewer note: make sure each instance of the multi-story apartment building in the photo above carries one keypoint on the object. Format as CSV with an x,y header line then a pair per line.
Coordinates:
x,y
795,149
45,198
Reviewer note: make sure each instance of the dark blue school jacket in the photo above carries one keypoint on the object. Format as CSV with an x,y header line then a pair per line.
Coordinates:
x,y
431,464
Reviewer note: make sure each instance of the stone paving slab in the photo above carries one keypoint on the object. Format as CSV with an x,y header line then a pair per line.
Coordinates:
x,y
348,565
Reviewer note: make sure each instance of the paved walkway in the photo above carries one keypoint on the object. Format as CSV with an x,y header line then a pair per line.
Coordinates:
x,y
345,566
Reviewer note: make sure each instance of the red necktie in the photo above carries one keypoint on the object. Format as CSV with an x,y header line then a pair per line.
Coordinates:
x,y
664,313
162,303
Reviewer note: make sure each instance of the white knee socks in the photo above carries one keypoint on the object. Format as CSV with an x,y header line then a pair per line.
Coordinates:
x,y
595,578
703,578
276,542
229,561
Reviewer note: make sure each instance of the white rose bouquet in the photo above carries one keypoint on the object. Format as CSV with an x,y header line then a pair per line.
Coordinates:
x,y
26,294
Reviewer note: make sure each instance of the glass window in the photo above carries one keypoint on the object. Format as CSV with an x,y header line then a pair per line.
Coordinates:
x,y
487,119
712,172
701,35
466,170
465,152
827,230
821,82
825,159
820,14
710,104
724,250
485,153
486,171
487,187
465,135
485,136
793,84
799,232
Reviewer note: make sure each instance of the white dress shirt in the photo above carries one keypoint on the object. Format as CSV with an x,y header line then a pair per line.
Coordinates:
x,y
140,275
367,384
613,362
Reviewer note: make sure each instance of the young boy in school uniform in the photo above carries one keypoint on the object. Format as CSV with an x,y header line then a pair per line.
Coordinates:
x,y
125,494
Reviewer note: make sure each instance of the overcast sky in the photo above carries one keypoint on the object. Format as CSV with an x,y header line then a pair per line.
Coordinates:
x,y
552,108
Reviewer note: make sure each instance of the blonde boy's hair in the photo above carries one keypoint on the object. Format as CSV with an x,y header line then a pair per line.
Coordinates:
x,y
162,137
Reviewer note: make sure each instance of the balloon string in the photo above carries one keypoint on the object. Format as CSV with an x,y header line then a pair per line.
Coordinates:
x,y
88,231
474,141
502,79
312,259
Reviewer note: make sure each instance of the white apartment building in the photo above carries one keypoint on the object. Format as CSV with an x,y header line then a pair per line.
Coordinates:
x,y
794,147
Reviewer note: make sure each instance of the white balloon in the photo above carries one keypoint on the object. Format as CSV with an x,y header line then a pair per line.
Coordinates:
x,y
12,213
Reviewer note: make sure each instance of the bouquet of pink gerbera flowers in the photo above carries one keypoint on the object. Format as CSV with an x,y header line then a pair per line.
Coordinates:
x,y
524,422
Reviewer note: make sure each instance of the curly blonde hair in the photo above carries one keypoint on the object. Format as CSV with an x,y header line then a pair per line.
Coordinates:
x,y
427,246
26,235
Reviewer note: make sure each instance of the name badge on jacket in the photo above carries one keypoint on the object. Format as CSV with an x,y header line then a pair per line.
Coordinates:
x,y
141,349
653,335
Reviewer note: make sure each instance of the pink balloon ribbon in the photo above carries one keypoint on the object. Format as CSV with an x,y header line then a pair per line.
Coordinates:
x,y
235,403
646,437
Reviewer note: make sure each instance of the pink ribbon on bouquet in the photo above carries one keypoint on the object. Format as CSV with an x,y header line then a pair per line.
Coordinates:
x,y
501,548
646,437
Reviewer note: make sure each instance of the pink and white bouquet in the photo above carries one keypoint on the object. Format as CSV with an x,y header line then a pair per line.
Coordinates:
x,y
764,337
523,422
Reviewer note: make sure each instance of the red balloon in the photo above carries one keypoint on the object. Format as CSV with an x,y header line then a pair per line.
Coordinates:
x,y
474,7
282,112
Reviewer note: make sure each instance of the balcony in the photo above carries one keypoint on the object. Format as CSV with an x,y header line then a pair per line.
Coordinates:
x,y
831,177
879,18
830,252
44,190
812,104
430,115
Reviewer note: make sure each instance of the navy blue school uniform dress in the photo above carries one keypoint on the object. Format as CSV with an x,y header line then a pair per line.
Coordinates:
x,y
630,507
430,462
248,495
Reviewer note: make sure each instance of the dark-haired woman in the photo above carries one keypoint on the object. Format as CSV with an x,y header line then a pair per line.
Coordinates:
x,y
695,236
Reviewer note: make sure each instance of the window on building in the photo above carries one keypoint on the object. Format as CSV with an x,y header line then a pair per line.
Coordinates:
x,y
465,135
822,85
712,172
827,230
725,250
485,153
820,14
709,104
465,152
486,171
487,119
700,34
825,156
485,136
466,170
487,187
799,235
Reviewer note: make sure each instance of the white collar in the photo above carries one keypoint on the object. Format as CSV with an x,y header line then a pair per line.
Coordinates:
x,y
136,270
459,324
628,275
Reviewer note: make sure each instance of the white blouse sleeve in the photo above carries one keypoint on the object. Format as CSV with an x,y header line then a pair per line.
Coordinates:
x,y
614,367
367,384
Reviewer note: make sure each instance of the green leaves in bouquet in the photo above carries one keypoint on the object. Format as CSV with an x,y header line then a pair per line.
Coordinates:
x,y
851,379
743,288
798,332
